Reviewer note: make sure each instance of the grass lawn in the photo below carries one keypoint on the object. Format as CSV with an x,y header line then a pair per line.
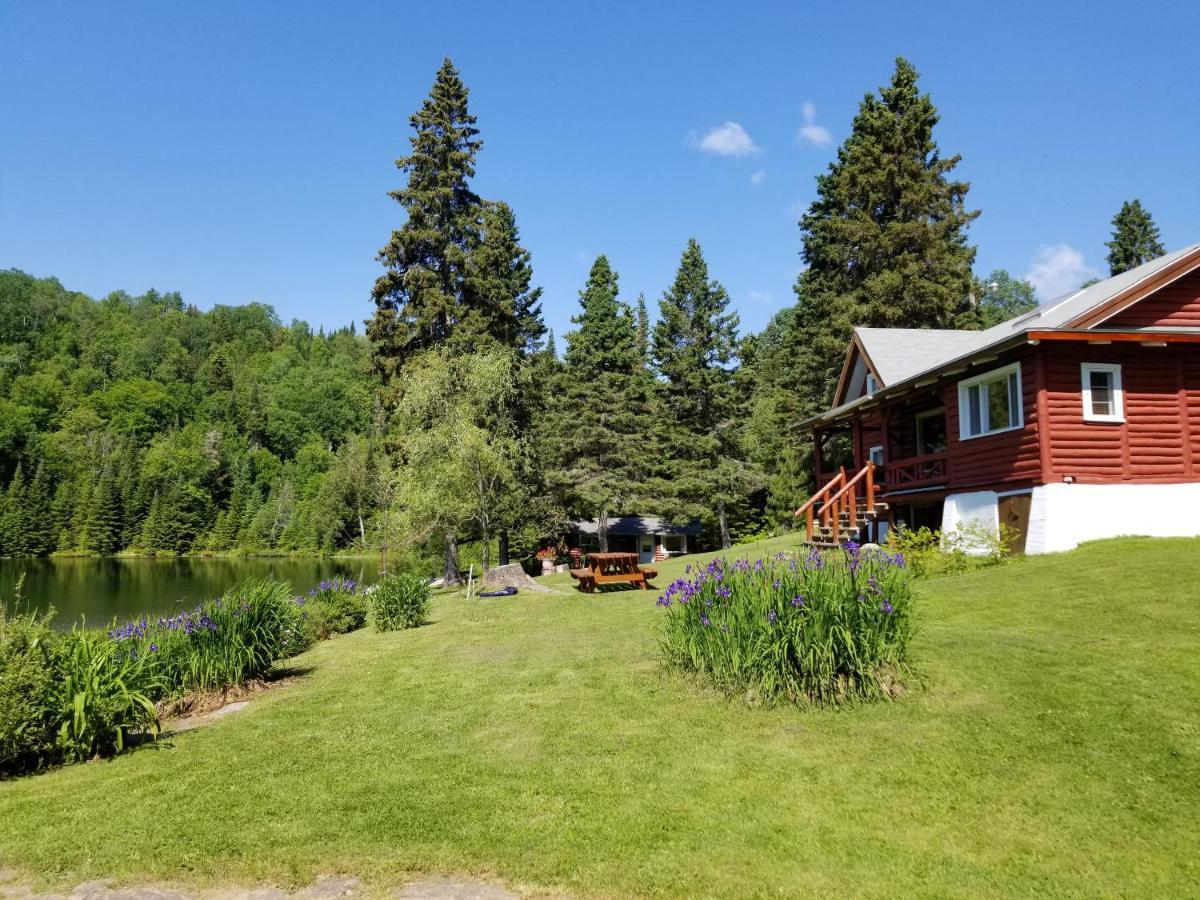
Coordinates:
x,y
1054,749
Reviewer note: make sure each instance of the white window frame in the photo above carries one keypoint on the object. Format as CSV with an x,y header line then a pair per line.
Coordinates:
x,y
871,454
964,412
1118,392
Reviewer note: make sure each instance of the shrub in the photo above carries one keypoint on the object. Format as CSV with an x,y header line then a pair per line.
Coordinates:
x,y
400,601
826,630
28,708
973,543
102,694
334,607
231,640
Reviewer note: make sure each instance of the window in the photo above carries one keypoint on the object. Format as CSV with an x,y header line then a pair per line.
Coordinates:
x,y
875,455
1103,399
872,384
990,403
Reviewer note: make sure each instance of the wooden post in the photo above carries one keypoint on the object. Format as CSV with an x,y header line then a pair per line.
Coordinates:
x,y
871,487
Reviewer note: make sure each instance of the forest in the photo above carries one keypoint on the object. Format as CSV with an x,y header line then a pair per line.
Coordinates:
x,y
144,425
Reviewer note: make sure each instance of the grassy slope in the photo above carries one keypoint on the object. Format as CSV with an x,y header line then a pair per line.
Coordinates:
x,y
1054,750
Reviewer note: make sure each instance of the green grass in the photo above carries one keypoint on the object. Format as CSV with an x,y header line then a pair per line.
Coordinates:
x,y
1054,750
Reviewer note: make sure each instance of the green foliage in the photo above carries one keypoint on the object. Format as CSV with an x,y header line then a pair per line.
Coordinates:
x,y
600,441
885,241
334,607
695,350
400,601
996,299
970,545
1135,238
28,722
140,423
102,694
830,630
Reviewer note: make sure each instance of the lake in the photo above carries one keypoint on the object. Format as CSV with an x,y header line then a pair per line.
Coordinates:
x,y
104,589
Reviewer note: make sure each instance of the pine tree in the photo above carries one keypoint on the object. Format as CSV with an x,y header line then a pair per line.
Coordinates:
x,y
502,303
885,241
13,532
421,296
102,531
39,533
1135,238
62,513
695,346
643,329
602,448
153,537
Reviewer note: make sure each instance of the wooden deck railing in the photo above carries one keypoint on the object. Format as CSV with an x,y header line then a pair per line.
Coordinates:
x,y
916,471
807,509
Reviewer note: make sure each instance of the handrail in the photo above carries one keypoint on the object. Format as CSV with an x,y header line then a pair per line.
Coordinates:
x,y
840,476
862,473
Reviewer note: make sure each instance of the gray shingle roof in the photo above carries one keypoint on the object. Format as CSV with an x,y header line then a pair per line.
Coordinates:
x,y
901,354
638,525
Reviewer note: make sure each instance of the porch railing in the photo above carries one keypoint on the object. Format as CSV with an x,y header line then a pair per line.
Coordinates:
x,y
915,471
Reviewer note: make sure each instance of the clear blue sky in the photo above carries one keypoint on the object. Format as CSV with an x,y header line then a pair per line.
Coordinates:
x,y
242,151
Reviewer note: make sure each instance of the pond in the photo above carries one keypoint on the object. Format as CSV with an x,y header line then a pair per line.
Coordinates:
x,y
105,589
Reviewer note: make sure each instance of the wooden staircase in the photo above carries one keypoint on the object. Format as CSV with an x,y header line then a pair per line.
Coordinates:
x,y
840,510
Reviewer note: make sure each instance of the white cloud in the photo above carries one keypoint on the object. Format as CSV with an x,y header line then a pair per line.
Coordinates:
x,y
730,139
1057,269
757,178
810,131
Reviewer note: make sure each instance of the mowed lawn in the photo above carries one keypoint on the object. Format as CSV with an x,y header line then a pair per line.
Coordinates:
x,y
1054,749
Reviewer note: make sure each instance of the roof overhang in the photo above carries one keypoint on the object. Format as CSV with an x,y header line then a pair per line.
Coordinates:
x,y
856,346
1186,264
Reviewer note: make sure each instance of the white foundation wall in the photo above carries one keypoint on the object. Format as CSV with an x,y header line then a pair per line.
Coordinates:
x,y
1064,515
962,509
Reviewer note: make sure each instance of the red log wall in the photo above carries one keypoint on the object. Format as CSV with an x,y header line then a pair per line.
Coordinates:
x,y
1175,306
1160,437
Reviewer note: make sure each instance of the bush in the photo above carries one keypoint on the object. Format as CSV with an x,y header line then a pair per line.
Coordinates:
x,y
102,694
229,641
973,543
826,630
334,607
400,601
28,708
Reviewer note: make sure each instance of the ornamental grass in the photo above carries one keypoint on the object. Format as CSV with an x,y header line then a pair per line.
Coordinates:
x,y
825,629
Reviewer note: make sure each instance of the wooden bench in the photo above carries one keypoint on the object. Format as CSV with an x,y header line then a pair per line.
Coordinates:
x,y
585,577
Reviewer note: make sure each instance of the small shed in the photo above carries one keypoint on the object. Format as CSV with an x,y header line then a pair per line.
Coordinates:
x,y
650,537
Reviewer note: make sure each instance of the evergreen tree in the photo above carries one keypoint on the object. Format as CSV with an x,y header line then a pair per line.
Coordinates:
x,y
695,346
422,295
885,241
13,518
62,512
1135,238
39,531
498,285
643,329
996,299
602,448
102,531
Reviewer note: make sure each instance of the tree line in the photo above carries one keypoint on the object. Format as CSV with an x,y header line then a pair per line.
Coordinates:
x,y
142,424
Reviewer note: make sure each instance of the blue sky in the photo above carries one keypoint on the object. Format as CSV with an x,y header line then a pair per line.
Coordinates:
x,y
243,151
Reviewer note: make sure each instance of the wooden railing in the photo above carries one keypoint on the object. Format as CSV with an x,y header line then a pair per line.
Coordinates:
x,y
841,500
916,471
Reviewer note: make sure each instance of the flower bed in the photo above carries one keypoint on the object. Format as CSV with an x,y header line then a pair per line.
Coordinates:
x,y
823,629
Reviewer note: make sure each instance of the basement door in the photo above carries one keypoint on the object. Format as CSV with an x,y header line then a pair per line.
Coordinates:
x,y
1014,512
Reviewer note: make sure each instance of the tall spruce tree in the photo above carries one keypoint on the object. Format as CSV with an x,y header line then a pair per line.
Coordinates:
x,y
603,450
643,329
1135,238
103,528
695,345
39,531
499,284
885,241
13,517
422,295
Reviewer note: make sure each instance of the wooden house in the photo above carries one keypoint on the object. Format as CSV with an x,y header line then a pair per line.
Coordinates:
x,y
1079,420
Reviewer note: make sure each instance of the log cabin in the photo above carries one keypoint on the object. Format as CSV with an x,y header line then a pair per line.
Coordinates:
x,y
1077,421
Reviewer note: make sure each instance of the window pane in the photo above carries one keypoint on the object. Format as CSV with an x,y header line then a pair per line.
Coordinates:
x,y
974,417
1014,398
997,403
1100,383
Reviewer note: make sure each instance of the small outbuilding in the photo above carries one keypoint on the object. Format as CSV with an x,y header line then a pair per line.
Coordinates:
x,y
650,537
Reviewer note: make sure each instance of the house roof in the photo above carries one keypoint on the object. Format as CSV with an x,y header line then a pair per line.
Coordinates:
x,y
901,355
638,525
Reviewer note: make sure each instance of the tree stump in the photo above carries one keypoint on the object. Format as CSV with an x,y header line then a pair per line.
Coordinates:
x,y
511,575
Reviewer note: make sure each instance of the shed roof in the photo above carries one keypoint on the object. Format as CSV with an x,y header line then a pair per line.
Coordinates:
x,y
638,525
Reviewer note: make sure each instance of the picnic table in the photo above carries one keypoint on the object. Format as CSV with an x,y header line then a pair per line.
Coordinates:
x,y
610,568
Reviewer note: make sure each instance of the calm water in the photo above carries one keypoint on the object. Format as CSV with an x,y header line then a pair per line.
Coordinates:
x,y
104,589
